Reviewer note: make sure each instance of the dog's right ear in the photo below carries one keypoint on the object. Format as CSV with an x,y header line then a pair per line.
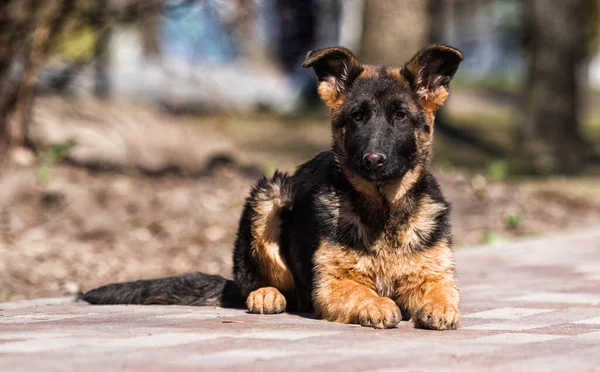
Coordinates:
x,y
335,68
430,72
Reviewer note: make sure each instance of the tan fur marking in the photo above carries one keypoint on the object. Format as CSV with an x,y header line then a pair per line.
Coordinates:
x,y
266,300
330,94
344,294
395,73
420,224
430,100
428,288
421,282
425,139
368,72
396,190
266,231
366,188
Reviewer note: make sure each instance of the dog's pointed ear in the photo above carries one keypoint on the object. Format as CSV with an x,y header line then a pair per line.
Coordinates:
x,y
335,68
430,72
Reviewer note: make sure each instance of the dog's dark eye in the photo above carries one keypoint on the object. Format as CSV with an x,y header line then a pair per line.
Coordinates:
x,y
399,115
358,116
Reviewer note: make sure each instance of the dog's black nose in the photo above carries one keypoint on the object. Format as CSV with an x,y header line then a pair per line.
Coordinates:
x,y
374,160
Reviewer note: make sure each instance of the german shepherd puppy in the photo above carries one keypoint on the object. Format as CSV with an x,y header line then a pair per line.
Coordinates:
x,y
360,233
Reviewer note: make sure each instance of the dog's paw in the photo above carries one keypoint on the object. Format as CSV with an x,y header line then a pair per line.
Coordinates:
x,y
266,300
379,313
440,316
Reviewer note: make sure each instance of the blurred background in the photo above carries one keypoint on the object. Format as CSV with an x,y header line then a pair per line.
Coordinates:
x,y
131,130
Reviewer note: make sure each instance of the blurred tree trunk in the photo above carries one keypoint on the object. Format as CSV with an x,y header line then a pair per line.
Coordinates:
x,y
102,50
436,14
25,29
150,14
17,22
550,141
18,121
393,30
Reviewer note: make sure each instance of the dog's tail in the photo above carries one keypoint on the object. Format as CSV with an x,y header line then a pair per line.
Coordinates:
x,y
195,289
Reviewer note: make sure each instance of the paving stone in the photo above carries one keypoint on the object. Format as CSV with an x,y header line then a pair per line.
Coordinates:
x,y
516,338
594,320
565,298
529,305
508,313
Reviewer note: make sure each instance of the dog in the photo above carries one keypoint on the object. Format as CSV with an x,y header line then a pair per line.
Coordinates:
x,y
359,234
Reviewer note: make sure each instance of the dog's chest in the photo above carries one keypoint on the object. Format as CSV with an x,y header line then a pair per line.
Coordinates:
x,y
384,271
389,258
385,285
361,226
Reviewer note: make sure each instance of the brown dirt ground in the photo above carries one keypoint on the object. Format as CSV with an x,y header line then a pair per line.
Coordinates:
x,y
73,228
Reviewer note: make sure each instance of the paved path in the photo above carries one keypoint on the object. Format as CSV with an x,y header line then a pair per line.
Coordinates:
x,y
533,305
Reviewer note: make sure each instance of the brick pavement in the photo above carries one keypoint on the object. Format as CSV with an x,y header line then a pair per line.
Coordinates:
x,y
531,305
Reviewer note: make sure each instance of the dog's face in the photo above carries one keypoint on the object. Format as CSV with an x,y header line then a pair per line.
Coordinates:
x,y
382,117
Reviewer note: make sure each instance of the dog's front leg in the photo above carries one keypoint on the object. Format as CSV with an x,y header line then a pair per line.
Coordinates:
x,y
346,301
342,294
429,290
438,308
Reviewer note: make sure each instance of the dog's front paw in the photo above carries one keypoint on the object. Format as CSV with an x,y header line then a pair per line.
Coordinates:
x,y
379,313
266,300
440,316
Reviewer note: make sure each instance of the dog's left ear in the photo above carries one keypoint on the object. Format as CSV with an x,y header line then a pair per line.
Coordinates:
x,y
430,72
335,68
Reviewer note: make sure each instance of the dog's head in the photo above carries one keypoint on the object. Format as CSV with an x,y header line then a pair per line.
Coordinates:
x,y
382,117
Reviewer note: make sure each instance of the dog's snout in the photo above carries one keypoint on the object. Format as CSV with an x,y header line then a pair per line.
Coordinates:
x,y
374,160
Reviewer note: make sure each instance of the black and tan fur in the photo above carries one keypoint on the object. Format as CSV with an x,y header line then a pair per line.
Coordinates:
x,y
360,233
